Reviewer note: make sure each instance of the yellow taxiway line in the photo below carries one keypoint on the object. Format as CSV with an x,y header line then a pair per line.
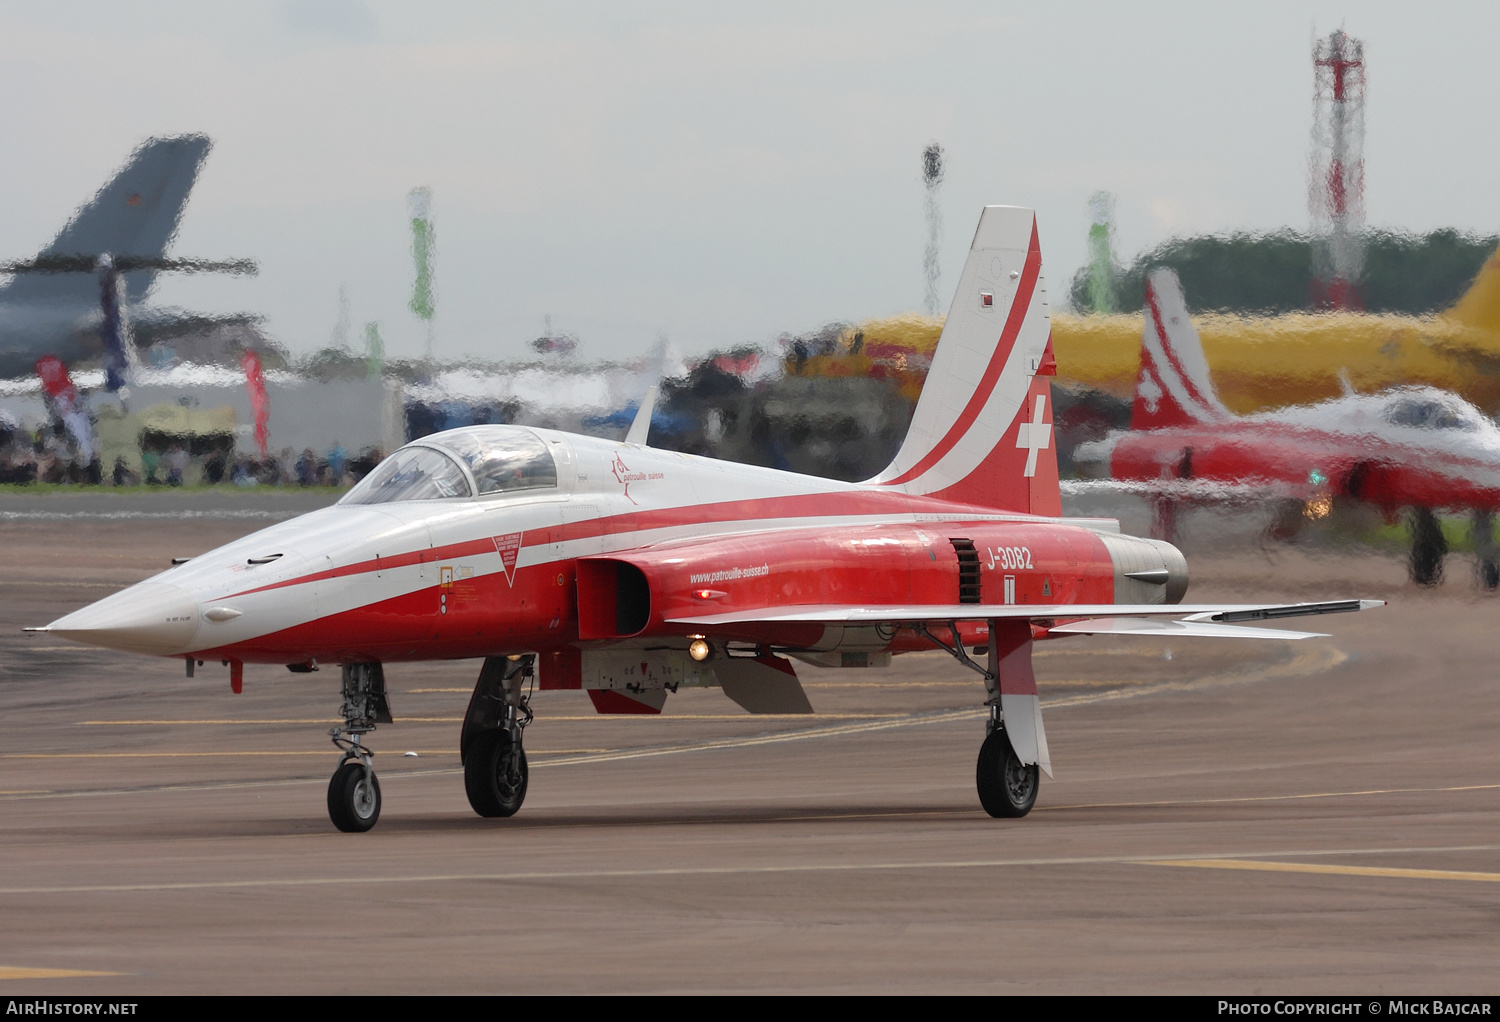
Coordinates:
x,y
24,972
650,873
1328,869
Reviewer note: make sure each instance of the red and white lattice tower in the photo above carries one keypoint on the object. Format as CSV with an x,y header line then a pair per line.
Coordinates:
x,y
1336,170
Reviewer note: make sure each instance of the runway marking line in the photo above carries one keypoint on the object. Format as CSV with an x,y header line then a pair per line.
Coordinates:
x,y
1329,870
607,756
67,585
551,876
273,720
392,754
24,972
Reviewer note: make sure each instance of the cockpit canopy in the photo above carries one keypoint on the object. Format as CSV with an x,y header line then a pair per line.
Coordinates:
x,y
1431,411
499,459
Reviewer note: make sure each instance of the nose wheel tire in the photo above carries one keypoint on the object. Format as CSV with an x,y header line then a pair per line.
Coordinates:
x,y
495,784
353,798
1007,788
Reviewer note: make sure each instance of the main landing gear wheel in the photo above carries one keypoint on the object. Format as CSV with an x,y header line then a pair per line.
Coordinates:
x,y
1007,789
354,798
1428,547
494,779
1487,568
1489,574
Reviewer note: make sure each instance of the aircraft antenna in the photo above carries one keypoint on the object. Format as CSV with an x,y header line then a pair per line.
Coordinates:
x,y
1336,170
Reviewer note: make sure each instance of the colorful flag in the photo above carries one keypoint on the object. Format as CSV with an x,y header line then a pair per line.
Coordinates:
x,y
255,383
63,401
112,329
423,244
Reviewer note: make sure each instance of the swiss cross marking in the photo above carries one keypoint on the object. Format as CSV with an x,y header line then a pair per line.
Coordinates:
x,y
1034,436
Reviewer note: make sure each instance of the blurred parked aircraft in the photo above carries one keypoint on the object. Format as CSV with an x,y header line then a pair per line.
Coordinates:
x,y
1300,358
48,308
1413,449
1258,362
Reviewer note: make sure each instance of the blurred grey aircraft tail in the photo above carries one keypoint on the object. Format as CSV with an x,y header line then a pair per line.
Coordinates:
x,y
136,213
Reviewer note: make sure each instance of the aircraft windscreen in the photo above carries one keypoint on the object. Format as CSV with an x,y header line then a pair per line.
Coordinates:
x,y
1426,413
414,473
503,459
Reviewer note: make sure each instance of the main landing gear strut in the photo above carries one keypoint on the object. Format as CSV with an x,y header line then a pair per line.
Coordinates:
x,y
354,791
1008,774
495,772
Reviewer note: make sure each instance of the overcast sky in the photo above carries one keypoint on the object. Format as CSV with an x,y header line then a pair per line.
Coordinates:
x,y
718,174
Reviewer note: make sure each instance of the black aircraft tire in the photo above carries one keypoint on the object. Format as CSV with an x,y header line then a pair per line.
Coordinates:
x,y
353,806
1428,548
1489,574
489,792
1007,789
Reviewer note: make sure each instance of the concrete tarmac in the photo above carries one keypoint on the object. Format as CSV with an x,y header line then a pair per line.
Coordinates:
x,y
1228,817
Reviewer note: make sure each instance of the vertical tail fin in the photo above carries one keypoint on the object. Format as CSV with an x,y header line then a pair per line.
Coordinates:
x,y
982,429
136,213
1480,305
1173,387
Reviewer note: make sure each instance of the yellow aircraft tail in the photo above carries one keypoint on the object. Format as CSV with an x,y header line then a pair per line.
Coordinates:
x,y
1480,305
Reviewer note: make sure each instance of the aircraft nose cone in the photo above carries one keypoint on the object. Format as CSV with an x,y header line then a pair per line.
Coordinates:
x,y
151,617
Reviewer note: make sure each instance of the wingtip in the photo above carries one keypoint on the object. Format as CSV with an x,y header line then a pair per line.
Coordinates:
x,y
38,628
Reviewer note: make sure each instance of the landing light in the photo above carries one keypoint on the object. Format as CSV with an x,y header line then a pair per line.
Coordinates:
x,y
698,648
1320,506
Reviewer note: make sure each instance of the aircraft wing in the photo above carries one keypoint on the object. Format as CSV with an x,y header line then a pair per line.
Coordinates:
x,y
1192,619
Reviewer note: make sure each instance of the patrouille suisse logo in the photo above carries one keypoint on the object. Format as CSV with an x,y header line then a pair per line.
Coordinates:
x,y
626,477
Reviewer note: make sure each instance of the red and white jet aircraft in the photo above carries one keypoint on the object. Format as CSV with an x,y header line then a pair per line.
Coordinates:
x,y
628,572
1410,448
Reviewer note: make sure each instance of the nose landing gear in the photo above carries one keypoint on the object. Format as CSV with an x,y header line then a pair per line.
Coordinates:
x,y
354,791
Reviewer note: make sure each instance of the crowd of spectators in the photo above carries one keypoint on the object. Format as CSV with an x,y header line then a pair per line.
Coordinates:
x,y
49,455
43,456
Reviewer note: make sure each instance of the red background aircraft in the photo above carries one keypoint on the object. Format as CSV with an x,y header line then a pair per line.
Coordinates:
x,y
1411,449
